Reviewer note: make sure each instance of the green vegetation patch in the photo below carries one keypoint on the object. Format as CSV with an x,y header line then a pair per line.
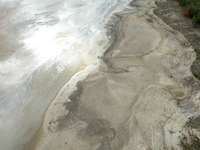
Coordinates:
x,y
192,144
193,123
191,9
192,141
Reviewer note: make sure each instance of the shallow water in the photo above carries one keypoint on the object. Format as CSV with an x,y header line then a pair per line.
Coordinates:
x,y
42,44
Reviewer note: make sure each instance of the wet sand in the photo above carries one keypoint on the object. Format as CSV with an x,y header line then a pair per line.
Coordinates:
x,y
129,100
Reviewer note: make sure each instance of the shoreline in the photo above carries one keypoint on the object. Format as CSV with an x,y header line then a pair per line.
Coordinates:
x,y
83,67
89,61
130,100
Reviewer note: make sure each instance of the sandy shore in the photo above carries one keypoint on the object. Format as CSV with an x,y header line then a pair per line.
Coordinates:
x,y
130,101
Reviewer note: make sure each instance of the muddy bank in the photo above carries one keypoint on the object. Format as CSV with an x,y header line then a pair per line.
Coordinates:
x,y
130,100
171,13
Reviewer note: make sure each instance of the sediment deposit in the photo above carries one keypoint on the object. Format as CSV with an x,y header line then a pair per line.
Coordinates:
x,y
139,96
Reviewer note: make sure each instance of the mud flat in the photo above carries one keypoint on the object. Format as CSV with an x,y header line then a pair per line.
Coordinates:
x,y
132,99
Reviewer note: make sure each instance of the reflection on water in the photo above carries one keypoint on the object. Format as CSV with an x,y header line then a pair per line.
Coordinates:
x,y
42,44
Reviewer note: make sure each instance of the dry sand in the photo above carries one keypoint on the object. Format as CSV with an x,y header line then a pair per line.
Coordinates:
x,y
130,101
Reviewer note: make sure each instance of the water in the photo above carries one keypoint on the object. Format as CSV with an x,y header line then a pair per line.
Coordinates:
x,y
42,44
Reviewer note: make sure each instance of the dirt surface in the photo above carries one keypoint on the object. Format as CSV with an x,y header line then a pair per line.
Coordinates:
x,y
171,13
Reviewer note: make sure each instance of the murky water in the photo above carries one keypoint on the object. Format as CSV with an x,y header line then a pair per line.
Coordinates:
x,y
42,44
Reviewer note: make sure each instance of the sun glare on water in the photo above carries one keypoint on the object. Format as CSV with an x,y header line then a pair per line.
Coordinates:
x,y
48,43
